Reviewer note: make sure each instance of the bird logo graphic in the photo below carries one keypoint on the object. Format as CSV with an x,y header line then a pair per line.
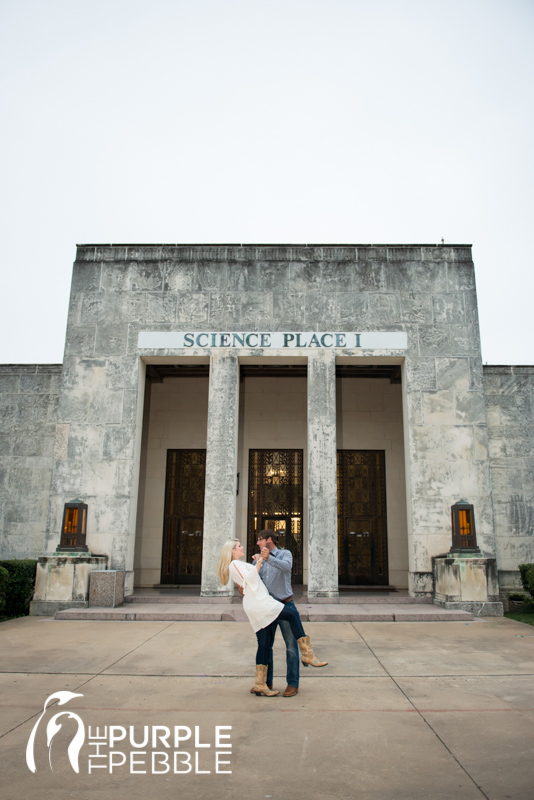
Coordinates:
x,y
53,728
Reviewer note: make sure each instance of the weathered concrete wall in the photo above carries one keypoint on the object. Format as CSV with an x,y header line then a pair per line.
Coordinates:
x,y
445,431
28,406
100,409
429,292
510,411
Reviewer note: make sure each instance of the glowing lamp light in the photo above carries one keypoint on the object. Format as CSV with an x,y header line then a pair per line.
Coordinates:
x,y
464,537
73,529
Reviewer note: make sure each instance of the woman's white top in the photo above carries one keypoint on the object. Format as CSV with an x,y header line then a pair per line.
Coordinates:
x,y
260,608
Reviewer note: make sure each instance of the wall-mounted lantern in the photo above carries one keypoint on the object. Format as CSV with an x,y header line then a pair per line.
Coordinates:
x,y
464,537
74,527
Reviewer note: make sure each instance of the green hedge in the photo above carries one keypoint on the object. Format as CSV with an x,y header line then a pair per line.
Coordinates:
x,y
527,577
20,585
4,577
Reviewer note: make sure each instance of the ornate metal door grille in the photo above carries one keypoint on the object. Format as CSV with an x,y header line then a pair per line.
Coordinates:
x,y
275,500
184,516
362,525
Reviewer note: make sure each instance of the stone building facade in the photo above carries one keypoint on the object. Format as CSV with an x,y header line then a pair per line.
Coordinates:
x,y
336,393
509,395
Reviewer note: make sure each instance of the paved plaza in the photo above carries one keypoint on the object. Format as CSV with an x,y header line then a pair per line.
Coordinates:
x,y
403,711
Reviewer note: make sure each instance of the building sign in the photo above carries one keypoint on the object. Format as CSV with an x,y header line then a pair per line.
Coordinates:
x,y
177,340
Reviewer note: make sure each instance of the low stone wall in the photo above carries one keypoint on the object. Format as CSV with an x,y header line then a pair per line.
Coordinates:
x,y
28,407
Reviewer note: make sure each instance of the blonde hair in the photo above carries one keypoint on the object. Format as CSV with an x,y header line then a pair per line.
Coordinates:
x,y
224,560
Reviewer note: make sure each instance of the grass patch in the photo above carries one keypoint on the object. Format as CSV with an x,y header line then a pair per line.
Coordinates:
x,y
525,615
4,618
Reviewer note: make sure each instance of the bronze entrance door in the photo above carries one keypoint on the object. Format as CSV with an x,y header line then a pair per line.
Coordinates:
x,y
184,516
362,527
275,501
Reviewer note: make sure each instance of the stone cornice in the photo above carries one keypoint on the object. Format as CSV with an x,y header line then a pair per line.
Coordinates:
x,y
265,252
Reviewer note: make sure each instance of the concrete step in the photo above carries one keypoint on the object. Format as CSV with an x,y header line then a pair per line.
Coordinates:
x,y
353,599
199,612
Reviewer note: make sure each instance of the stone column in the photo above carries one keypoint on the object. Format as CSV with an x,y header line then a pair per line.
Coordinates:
x,y
322,482
221,467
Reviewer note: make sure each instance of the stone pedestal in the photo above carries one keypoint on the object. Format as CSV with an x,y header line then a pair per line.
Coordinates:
x,y
62,581
467,582
421,584
106,588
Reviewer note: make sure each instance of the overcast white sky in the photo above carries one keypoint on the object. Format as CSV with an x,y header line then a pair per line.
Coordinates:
x,y
358,121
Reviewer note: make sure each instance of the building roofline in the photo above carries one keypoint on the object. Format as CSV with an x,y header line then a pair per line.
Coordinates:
x,y
263,244
393,253
507,367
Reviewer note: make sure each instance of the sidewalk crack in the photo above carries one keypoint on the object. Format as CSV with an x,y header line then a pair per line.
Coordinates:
x,y
89,679
426,722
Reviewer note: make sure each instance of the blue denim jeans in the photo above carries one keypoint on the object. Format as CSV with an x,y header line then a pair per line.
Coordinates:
x,y
265,636
292,652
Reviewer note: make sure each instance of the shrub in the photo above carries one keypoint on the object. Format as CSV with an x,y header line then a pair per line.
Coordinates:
x,y
4,577
20,585
527,577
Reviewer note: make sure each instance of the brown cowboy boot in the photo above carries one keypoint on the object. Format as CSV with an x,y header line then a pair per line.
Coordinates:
x,y
290,691
307,655
260,687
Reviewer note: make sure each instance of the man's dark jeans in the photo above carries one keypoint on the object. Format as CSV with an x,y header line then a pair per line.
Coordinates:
x,y
292,653
291,627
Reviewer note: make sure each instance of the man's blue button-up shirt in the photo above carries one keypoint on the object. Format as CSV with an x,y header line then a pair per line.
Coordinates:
x,y
276,573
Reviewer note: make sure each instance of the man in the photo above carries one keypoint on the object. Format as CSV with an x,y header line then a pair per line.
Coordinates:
x,y
276,575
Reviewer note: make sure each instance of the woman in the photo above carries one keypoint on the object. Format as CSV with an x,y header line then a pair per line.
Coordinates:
x,y
262,611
